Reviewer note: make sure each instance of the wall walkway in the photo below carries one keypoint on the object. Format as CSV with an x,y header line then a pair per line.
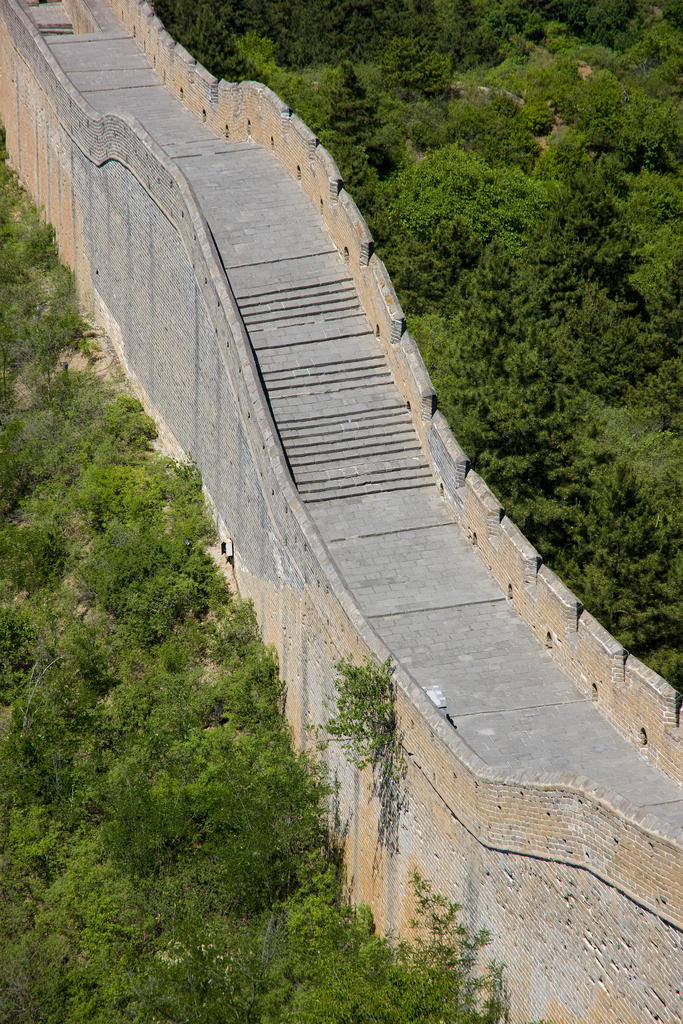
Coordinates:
x,y
254,293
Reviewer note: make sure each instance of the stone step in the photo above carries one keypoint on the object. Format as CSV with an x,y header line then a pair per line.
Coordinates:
x,y
359,457
293,297
351,489
308,385
303,419
329,367
371,469
326,371
306,319
297,413
350,447
376,420
247,298
320,352
317,310
348,427
284,337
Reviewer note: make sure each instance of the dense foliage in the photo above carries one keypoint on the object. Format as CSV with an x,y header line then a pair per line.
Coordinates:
x,y
164,853
363,718
519,164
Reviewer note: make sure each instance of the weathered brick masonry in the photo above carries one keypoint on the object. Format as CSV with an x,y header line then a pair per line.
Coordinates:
x,y
581,889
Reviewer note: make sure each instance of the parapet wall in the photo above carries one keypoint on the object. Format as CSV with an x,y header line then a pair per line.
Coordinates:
x,y
582,892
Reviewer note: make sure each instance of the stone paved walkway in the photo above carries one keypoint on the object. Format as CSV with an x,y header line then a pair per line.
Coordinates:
x,y
353,451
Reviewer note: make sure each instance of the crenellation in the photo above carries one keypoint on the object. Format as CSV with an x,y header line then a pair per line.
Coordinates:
x,y
391,311
522,561
207,85
307,138
559,611
483,516
418,384
187,65
354,233
449,463
601,656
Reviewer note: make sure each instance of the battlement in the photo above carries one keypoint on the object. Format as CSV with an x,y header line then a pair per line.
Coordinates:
x,y
637,701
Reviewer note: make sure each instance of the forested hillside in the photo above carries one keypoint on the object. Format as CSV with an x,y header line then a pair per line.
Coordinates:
x,y
519,165
164,853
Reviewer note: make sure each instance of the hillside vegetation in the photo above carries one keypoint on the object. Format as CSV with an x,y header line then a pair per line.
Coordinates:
x,y
519,165
164,853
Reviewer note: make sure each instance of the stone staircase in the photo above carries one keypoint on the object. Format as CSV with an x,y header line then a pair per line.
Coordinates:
x,y
342,422
52,19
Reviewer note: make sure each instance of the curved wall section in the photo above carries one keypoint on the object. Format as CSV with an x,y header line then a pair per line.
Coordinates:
x,y
630,695
582,892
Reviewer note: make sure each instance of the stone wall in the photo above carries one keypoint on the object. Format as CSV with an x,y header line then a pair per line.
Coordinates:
x,y
642,705
582,893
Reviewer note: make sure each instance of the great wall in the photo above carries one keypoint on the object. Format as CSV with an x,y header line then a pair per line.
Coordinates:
x,y
211,237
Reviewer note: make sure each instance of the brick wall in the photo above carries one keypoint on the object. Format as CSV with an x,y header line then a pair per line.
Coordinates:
x,y
582,893
81,17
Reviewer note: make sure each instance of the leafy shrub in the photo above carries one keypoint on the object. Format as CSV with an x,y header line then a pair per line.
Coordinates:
x,y
365,719
149,580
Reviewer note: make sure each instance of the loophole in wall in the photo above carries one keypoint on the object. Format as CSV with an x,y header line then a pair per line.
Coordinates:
x,y
182,94
203,115
298,173
643,738
346,254
549,639
510,591
594,692
272,142
227,131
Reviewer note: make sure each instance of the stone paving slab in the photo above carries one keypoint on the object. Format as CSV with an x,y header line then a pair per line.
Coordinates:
x,y
102,54
107,80
297,270
276,359
96,37
505,695
412,571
